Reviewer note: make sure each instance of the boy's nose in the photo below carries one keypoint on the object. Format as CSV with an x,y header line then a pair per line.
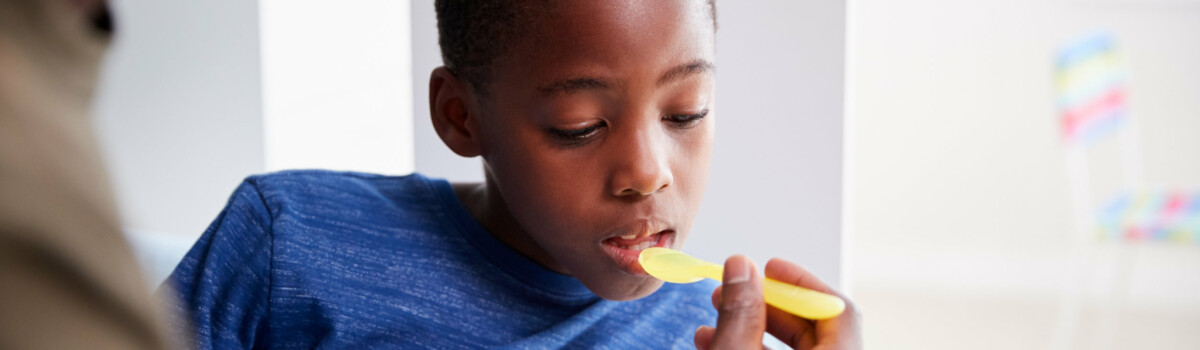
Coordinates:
x,y
643,169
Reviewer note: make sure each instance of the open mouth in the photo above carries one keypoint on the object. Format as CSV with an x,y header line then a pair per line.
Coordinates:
x,y
624,250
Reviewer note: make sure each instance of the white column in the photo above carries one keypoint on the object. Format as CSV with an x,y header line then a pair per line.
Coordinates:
x,y
337,85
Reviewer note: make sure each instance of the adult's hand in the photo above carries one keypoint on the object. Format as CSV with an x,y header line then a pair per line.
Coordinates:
x,y
743,316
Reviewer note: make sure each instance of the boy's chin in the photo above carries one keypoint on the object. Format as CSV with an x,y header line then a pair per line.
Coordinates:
x,y
626,290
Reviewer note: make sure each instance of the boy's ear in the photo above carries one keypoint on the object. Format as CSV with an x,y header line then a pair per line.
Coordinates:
x,y
453,119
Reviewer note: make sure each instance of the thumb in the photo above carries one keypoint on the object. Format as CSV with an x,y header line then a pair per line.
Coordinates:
x,y
741,315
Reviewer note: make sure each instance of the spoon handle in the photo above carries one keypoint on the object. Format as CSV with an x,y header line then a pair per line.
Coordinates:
x,y
799,301
796,300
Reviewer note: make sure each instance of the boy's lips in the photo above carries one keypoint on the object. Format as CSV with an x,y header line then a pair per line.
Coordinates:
x,y
624,250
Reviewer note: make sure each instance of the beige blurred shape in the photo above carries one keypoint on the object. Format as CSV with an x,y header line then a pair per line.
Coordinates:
x,y
67,277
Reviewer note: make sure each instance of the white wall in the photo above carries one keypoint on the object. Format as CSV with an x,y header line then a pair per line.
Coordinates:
x,y
961,211
776,185
179,110
195,96
337,89
775,188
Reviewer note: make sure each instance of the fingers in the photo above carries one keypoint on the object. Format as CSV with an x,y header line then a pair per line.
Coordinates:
x,y
788,328
787,272
841,332
704,336
741,313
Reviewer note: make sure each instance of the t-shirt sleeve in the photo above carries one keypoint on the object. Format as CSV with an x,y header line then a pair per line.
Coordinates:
x,y
220,290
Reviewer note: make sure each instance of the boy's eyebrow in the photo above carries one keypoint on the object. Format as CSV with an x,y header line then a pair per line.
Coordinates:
x,y
573,85
577,84
685,70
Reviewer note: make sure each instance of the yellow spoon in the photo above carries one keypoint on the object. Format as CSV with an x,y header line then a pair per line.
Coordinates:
x,y
676,267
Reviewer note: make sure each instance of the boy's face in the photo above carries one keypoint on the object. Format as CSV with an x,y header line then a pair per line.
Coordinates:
x,y
600,125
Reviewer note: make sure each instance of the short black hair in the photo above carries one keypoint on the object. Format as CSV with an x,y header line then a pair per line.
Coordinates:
x,y
472,33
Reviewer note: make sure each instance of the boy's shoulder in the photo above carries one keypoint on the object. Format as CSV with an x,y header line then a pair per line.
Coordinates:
x,y
326,189
310,204
304,181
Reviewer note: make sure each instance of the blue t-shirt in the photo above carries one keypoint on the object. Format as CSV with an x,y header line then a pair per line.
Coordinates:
x,y
317,259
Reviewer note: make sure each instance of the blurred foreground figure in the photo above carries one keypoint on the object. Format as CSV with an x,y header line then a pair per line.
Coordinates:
x,y
67,278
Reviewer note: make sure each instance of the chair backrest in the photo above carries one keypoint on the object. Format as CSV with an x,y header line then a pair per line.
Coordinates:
x,y
1091,84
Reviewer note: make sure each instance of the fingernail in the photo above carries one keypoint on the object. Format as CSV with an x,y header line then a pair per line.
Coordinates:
x,y
737,270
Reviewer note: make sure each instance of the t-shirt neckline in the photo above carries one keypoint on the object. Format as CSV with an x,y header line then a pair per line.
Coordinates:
x,y
514,264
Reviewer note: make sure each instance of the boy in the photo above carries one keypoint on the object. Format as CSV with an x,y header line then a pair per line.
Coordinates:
x,y
595,122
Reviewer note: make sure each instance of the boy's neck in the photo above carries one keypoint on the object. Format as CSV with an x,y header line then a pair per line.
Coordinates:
x,y
487,205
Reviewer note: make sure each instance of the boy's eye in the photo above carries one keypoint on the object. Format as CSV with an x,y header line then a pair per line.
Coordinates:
x,y
577,136
686,120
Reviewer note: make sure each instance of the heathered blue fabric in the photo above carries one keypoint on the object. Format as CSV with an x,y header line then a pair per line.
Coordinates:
x,y
318,259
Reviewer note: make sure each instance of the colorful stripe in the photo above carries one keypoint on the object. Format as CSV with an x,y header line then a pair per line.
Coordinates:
x,y
1171,216
1090,83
